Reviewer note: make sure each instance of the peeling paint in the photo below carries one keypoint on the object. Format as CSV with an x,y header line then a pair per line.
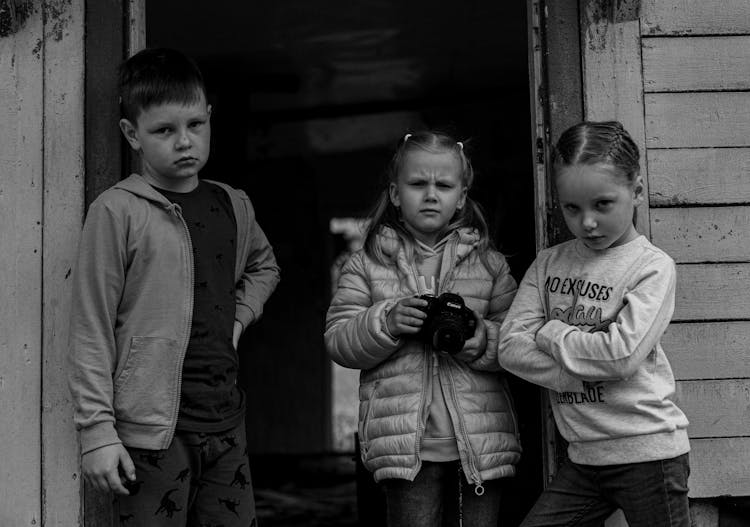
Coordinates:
x,y
37,48
600,14
13,15
58,15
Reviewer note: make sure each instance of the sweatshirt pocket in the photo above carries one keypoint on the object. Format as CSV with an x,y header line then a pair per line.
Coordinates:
x,y
145,389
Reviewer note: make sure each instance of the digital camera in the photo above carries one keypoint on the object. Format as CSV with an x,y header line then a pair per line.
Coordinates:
x,y
449,322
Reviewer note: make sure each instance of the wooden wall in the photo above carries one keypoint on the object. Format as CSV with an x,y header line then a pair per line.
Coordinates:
x,y
41,208
677,74
696,73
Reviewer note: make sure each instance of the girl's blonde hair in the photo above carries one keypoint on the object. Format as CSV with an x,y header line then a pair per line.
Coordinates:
x,y
385,214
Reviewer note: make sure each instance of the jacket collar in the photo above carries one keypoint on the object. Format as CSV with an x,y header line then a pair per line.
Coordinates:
x,y
137,184
463,240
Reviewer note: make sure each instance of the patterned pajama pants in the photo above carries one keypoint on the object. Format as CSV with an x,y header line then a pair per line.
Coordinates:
x,y
201,480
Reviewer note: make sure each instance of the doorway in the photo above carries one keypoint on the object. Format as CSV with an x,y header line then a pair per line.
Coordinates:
x,y
308,100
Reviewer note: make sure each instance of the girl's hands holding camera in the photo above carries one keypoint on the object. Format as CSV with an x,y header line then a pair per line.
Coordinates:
x,y
477,344
406,317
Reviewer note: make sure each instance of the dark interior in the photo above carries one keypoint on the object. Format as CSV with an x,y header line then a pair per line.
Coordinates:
x,y
309,99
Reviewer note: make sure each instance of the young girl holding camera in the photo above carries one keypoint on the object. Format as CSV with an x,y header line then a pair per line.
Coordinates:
x,y
437,429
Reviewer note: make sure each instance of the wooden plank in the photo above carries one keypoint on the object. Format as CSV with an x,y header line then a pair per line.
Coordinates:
x,y
712,292
558,93
136,37
63,214
708,350
685,176
696,63
695,17
715,408
719,467
21,81
675,120
105,44
104,160
703,234
612,76
556,103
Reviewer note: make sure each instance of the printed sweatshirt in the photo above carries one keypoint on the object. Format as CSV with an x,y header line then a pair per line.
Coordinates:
x,y
587,325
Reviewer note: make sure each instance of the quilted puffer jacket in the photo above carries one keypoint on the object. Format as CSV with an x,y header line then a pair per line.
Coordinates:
x,y
397,374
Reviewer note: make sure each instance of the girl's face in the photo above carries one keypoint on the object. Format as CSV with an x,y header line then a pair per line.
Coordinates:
x,y
429,190
597,202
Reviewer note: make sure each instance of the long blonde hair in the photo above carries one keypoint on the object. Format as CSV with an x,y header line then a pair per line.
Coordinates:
x,y
385,214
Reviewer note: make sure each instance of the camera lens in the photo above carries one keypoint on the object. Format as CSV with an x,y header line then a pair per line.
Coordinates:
x,y
448,339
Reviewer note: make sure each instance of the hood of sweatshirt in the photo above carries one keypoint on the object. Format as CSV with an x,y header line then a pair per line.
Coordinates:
x,y
465,240
137,184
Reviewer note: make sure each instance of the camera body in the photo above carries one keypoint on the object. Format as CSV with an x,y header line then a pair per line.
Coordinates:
x,y
449,322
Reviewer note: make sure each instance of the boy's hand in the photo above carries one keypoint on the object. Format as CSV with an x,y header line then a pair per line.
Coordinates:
x,y
405,317
101,468
477,344
236,334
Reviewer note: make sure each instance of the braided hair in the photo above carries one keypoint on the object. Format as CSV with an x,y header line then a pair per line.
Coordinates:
x,y
591,142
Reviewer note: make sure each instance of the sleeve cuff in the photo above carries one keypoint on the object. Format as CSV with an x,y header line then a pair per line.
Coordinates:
x,y
384,321
244,315
548,334
488,361
98,435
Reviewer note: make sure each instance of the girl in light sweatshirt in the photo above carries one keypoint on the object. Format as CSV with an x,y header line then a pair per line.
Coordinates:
x,y
586,323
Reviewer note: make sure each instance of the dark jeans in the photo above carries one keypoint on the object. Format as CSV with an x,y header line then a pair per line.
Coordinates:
x,y
651,494
201,479
441,496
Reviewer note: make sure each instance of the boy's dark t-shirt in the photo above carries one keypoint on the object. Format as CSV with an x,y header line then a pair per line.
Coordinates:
x,y
210,400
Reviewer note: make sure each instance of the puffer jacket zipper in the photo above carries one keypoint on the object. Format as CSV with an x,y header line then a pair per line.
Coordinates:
x,y
423,414
427,379
470,455
431,358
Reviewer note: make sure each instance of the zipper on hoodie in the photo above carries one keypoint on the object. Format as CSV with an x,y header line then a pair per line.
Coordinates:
x,y
175,413
452,247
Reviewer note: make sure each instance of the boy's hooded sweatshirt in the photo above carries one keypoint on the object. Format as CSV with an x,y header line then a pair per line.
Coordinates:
x,y
586,324
132,307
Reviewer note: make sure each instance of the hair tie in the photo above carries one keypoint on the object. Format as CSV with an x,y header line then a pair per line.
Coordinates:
x,y
406,137
460,145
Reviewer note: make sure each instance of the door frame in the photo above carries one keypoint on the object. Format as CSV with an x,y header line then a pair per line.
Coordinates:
x,y
556,91
115,29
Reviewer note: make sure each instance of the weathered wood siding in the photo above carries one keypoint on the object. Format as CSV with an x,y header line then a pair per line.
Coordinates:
x,y
21,179
696,73
677,74
41,207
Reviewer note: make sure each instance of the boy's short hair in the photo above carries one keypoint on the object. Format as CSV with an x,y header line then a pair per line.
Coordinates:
x,y
158,76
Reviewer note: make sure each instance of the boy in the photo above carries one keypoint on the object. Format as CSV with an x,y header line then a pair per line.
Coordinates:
x,y
171,270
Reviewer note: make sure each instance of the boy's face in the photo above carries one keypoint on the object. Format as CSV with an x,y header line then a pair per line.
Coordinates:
x,y
173,140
